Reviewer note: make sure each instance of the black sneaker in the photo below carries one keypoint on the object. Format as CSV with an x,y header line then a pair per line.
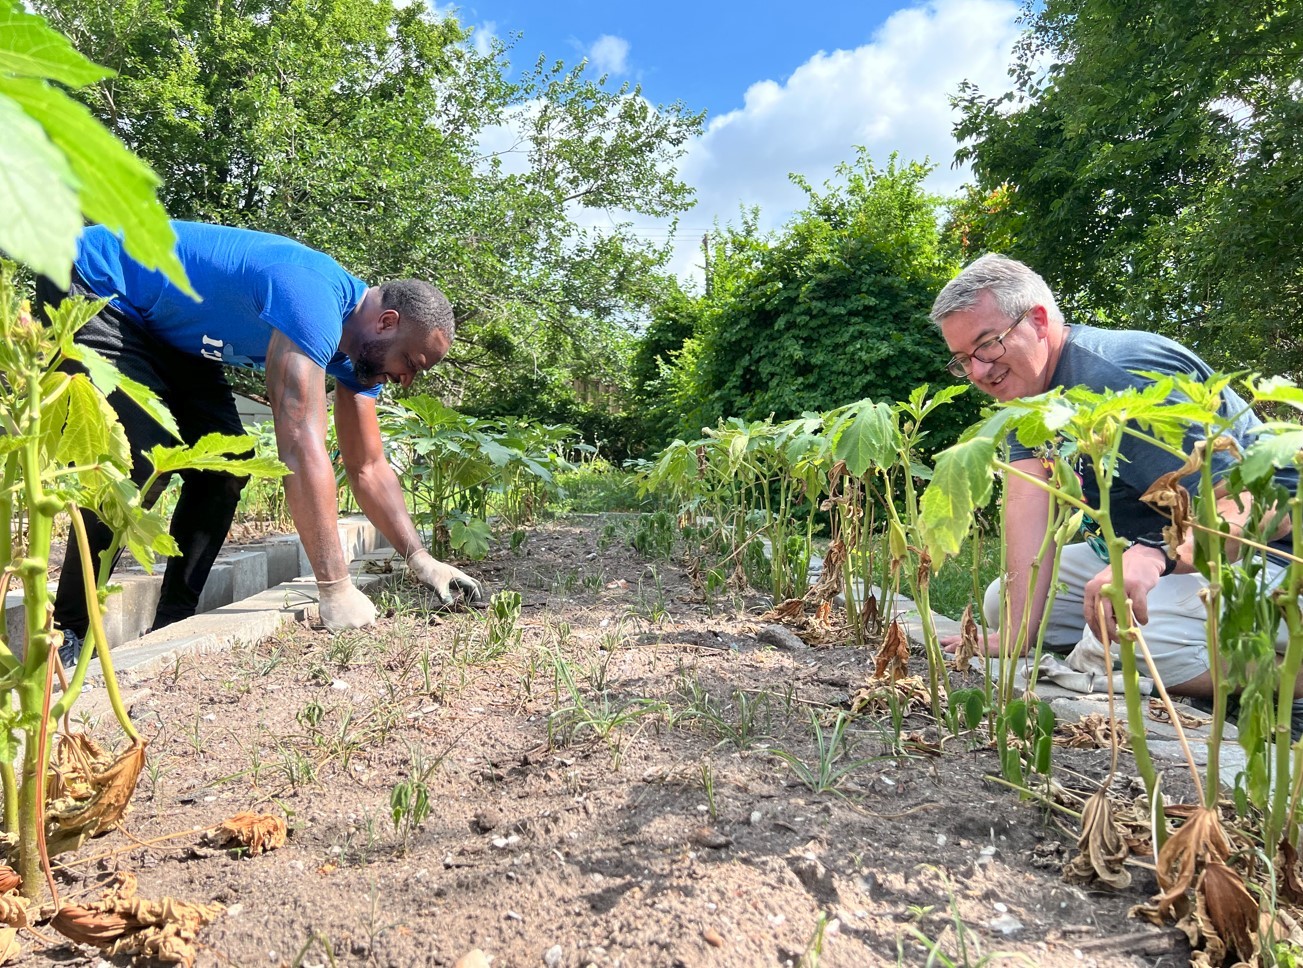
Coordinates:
x,y
71,648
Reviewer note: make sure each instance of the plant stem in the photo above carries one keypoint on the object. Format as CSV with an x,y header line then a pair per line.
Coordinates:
x,y
1277,819
96,614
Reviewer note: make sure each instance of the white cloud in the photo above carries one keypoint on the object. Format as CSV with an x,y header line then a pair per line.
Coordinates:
x,y
610,55
891,94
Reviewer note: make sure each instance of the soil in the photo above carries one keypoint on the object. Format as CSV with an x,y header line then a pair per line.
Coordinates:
x,y
651,817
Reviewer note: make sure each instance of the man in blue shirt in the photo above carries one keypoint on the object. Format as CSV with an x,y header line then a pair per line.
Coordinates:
x,y
1009,338
275,304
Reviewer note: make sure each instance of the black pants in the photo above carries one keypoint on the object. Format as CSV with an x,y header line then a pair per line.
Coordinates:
x,y
195,391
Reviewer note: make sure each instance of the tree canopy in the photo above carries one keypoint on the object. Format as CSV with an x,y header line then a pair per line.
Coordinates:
x,y
382,135
832,309
1148,162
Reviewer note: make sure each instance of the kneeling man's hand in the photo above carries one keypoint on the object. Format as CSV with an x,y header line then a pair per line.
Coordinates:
x,y
444,579
343,606
1142,566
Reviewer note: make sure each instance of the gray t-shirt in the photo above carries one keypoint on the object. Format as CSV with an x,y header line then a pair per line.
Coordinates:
x,y
1106,359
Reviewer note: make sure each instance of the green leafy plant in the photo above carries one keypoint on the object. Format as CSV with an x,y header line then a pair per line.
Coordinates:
x,y
456,468
828,770
409,803
62,165
63,449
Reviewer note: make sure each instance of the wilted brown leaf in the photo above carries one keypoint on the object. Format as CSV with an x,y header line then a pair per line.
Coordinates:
x,y
1102,850
15,911
830,577
822,616
9,946
1158,713
1290,871
869,612
792,610
1090,732
72,819
73,766
121,923
924,573
878,695
9,879
1230,908
968,635
258,832
1200,839
90,925
814,629
893,657
1170,498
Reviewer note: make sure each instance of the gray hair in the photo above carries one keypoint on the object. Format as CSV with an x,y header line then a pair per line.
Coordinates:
x,y
1015,288
420,305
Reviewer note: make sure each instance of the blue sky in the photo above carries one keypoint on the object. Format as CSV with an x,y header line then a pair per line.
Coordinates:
x,y
705,54
786,87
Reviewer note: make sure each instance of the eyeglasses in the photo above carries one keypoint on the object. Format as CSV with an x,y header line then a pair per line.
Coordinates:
x,y
987,352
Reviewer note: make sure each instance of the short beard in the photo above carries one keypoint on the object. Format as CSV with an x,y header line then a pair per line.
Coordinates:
x,y
370,361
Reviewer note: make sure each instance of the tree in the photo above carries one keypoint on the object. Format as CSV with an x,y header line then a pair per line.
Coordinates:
x,y
1152,169
832,310
380,135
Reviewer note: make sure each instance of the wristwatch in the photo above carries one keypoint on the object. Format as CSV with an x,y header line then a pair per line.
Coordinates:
x,y
1159,543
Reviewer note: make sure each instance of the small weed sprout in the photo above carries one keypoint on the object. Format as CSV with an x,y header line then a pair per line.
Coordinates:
x,y
502,625
825,773
708,785
409,805
195,735
814,950
409,802
155,770
297,768
652,606
565,583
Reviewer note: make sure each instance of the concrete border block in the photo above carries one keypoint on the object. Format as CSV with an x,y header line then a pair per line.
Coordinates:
x,y
248,573
218,589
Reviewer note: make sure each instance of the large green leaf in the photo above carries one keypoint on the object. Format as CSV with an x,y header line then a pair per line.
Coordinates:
x,y
499,456
29,48
108,378
144,533
116,188
868,440
8,443
37,196
92,432
961,483
1278,390
213,453
1270,452
470,537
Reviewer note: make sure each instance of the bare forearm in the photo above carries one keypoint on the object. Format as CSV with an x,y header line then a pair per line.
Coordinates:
x,y
310,493
380,496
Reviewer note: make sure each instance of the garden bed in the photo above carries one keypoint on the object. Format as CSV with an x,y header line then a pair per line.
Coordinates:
x,y
622,775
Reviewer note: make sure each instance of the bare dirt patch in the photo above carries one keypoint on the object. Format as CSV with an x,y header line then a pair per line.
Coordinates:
x,y
616,786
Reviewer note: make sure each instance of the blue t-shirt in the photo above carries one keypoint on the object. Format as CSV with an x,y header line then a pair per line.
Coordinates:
x,y
251,283
1106,359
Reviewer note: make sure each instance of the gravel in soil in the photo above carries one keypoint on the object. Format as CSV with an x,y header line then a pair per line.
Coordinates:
x,y
626,774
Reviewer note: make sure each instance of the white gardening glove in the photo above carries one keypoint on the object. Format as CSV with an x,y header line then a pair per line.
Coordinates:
x,y
343,606
444,578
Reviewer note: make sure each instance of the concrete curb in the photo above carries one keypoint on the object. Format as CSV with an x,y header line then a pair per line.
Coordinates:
x,y
242,573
